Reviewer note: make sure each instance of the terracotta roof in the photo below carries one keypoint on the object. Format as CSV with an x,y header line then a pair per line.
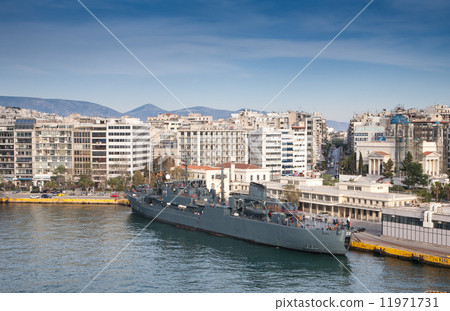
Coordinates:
x,y
427,153
241,166
382,153
202,167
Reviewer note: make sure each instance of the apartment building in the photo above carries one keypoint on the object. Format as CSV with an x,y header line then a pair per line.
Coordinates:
x,y
7,149
53,141
128,146
213,144
23,150
265,149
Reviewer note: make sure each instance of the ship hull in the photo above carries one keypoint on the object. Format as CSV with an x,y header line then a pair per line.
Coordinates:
x,y
219,221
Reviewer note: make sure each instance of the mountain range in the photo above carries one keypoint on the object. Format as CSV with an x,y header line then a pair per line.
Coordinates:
x,y
65,107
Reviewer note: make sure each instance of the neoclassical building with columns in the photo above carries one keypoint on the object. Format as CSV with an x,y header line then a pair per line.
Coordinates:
x,y
430,162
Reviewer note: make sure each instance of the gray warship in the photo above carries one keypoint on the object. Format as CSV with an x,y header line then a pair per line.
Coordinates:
x,y
254,217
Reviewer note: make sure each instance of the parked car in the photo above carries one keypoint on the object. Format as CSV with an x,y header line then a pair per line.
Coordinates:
x,y
35,196
46,196
114,195
16,191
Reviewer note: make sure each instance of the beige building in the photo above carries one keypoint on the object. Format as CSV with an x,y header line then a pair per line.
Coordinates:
x,y
361,200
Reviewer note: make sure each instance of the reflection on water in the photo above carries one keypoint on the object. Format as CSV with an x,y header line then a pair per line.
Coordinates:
x,y
61,248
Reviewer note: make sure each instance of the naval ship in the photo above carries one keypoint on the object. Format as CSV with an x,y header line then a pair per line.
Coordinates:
x,y
254,217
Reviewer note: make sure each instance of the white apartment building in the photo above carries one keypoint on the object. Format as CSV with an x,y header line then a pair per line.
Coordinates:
x,y
300,163
210,145
53,143
265,149
283,151
128,146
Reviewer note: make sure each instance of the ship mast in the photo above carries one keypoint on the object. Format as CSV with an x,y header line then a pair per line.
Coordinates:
x,y
222,186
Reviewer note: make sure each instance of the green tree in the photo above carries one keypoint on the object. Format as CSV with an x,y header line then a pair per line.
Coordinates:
x,y
291,194
119,183
85,181
424,195
396,188
328,180
438,190
348,164
407,161
388,169
52,184
146,174
338,142
61,169
138,179
415,175
353,163
360,164
446,191
60,178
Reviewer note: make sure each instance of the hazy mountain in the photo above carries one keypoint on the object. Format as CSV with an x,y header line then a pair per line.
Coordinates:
x,y
147,110
150,110
60,107
64,107
216,113
337,125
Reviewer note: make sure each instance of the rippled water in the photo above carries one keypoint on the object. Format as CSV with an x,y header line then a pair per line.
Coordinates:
x,y
49,248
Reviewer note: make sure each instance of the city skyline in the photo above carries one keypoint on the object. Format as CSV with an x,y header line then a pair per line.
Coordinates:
x,y
230,55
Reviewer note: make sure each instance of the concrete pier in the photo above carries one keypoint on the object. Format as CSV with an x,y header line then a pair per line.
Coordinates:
x,y
402,249
67,199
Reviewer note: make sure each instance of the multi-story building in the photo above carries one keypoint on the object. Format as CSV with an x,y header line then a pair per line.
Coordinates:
x,y
210,145
128,146
300,163
7,149
316,136
265,149
53,147
23,151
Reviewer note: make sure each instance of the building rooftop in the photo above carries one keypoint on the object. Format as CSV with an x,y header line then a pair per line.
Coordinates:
x,y
203,167
241,166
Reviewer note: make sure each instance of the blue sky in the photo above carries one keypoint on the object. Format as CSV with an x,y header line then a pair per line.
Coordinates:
x,y
229,54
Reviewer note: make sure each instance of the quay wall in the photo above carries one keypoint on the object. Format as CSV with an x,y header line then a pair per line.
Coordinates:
x,y
65,201
402,254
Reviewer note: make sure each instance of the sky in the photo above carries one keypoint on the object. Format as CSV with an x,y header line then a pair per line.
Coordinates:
x,y
229,54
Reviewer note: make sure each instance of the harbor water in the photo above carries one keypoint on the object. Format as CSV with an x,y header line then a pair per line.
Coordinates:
x,y
61,248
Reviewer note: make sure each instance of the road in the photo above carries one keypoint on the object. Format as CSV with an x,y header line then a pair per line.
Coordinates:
x,y
334,158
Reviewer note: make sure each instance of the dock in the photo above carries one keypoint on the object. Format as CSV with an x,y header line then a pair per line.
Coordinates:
x,y
66,200
403,249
